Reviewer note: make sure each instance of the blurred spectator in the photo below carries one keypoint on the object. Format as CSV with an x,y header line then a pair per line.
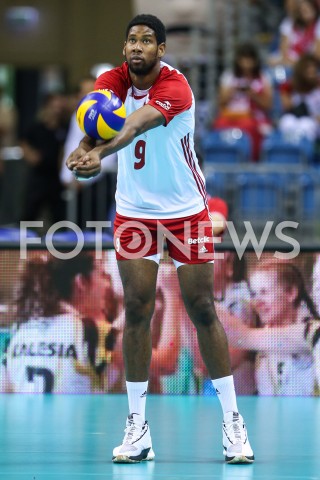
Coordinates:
x,y
300,32
8,120
60,342
278,290
275,57
315,335
284,364
300,99
8,125
316,282
245,97
42,148
74,136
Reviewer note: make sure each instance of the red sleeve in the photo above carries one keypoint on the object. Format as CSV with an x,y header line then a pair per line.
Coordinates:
x,y
171,94
216,204
117,80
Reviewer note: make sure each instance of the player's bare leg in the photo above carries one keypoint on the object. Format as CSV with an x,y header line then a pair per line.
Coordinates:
x,y
196,283
139,279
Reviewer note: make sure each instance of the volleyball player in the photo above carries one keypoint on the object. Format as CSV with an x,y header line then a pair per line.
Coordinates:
x,y
160,186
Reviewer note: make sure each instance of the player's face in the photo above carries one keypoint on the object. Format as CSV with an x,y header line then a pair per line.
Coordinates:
x,y
141,50
271,300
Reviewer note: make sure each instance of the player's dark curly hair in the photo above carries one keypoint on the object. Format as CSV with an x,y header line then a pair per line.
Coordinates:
x,y
152,22
45,282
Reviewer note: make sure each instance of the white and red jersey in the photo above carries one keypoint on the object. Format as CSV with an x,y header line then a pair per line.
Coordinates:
x,y
158,173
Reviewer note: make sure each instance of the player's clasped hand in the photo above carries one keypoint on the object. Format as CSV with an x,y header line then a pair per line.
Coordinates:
x,y
84,164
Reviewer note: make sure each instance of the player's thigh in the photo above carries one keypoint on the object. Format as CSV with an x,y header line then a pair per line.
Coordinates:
x,y
139,279
196,283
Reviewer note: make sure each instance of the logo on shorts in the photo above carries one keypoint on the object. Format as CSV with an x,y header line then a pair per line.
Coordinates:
x,y
203,249
166,105
193,241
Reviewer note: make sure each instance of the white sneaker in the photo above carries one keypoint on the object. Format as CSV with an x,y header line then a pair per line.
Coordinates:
x,y
236,446
136,445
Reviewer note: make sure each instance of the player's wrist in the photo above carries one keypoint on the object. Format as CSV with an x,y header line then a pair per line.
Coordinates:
x,y
87,143
101,151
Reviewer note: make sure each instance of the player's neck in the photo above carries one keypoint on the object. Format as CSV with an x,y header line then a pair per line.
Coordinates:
x,y
144,82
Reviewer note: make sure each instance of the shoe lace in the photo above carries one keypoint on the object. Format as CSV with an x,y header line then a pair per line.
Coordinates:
x,y
131,433
233,430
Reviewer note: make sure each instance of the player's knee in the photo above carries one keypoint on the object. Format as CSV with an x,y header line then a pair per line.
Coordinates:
x,y
138,311
202,311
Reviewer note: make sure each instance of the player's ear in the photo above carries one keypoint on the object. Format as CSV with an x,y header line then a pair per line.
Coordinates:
x,y
161,50
124,49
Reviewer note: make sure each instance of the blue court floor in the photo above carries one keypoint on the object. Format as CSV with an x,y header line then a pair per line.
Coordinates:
x,y
70,437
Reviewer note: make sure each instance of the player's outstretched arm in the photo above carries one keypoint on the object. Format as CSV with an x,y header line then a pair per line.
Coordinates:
x,y
140,121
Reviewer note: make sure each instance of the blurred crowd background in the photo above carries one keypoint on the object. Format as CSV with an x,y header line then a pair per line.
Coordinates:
x,y
61,325
254,69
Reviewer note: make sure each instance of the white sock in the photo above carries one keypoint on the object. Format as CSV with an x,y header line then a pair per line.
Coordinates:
x,y
226,393
137,395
